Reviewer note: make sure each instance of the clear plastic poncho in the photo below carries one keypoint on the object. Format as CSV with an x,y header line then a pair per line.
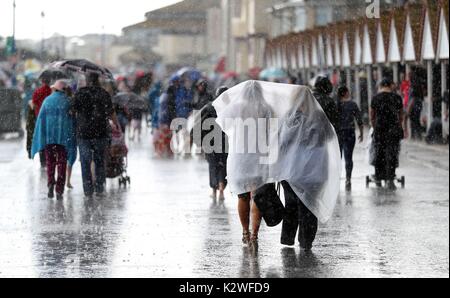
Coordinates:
x,y
279,132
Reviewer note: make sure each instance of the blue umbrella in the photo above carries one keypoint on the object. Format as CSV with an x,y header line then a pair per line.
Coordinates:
x,y
193,74
272,73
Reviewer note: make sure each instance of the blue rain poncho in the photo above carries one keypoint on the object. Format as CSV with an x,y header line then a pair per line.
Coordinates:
x,y
55,126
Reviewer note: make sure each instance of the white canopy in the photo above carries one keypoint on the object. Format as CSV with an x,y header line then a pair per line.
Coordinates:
x,y
381,53
427,41
358,49
409,53
330,60
346,60
442,48
367,48
394,46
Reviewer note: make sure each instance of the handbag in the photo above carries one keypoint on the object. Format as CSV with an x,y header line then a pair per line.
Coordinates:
x,y
267,199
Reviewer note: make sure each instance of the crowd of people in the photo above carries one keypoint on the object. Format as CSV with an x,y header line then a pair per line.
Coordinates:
x,y
66,120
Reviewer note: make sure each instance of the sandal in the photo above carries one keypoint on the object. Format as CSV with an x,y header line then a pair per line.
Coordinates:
x,y
246,238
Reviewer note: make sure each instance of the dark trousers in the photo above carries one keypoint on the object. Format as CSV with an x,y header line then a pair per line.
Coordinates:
x,y
416,125
217,171
347,142
297,217
56,157
387,155
93,151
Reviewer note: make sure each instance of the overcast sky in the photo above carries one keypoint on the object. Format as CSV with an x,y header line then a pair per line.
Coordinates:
x,y
73,17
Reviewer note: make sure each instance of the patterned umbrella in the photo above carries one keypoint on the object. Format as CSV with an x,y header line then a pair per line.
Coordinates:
x,y
82,66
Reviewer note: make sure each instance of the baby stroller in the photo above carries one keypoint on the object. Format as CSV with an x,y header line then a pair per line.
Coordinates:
x,y
116,157
372,160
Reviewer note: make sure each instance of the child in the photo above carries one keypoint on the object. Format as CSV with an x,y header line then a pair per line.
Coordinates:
x,y
348,113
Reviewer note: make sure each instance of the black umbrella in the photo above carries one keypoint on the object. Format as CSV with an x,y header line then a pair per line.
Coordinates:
x,y
82,66
53,75
130,100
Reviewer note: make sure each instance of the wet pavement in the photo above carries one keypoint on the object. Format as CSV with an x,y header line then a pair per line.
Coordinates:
x,y
165,224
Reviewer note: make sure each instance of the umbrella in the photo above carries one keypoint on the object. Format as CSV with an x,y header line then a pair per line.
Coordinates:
x,y
82,66
130,100
53,75
272,73
193,74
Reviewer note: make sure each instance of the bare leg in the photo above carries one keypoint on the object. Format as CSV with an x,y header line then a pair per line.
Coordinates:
x,y
69,176
221,190
244,216
256,221
214,193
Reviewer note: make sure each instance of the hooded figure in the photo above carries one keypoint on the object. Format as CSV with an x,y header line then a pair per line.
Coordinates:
x,y
202,96
302,147
322,90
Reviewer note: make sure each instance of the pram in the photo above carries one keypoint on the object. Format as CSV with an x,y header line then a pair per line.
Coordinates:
x,y
117,157
371,154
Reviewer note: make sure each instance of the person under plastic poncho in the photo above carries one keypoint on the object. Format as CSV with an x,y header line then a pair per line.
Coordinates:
x,y
302,152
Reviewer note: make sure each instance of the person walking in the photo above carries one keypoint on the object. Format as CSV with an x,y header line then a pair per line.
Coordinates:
x,y
72,151
299,148
348,113
54,134
216,156
405,89
153,103
416,102
93,108
245,164
166,114
322,91
202,96
387,119
39,95
136,115
183,102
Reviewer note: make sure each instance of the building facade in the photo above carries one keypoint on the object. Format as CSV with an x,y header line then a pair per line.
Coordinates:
x,y
183,34
246,27
405,36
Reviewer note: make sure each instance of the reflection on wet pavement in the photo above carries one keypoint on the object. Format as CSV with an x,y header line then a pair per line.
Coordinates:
x,y
165,225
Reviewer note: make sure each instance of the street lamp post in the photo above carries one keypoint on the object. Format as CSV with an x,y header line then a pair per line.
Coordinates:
x,y
13,48
43,38
103,47
14,19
